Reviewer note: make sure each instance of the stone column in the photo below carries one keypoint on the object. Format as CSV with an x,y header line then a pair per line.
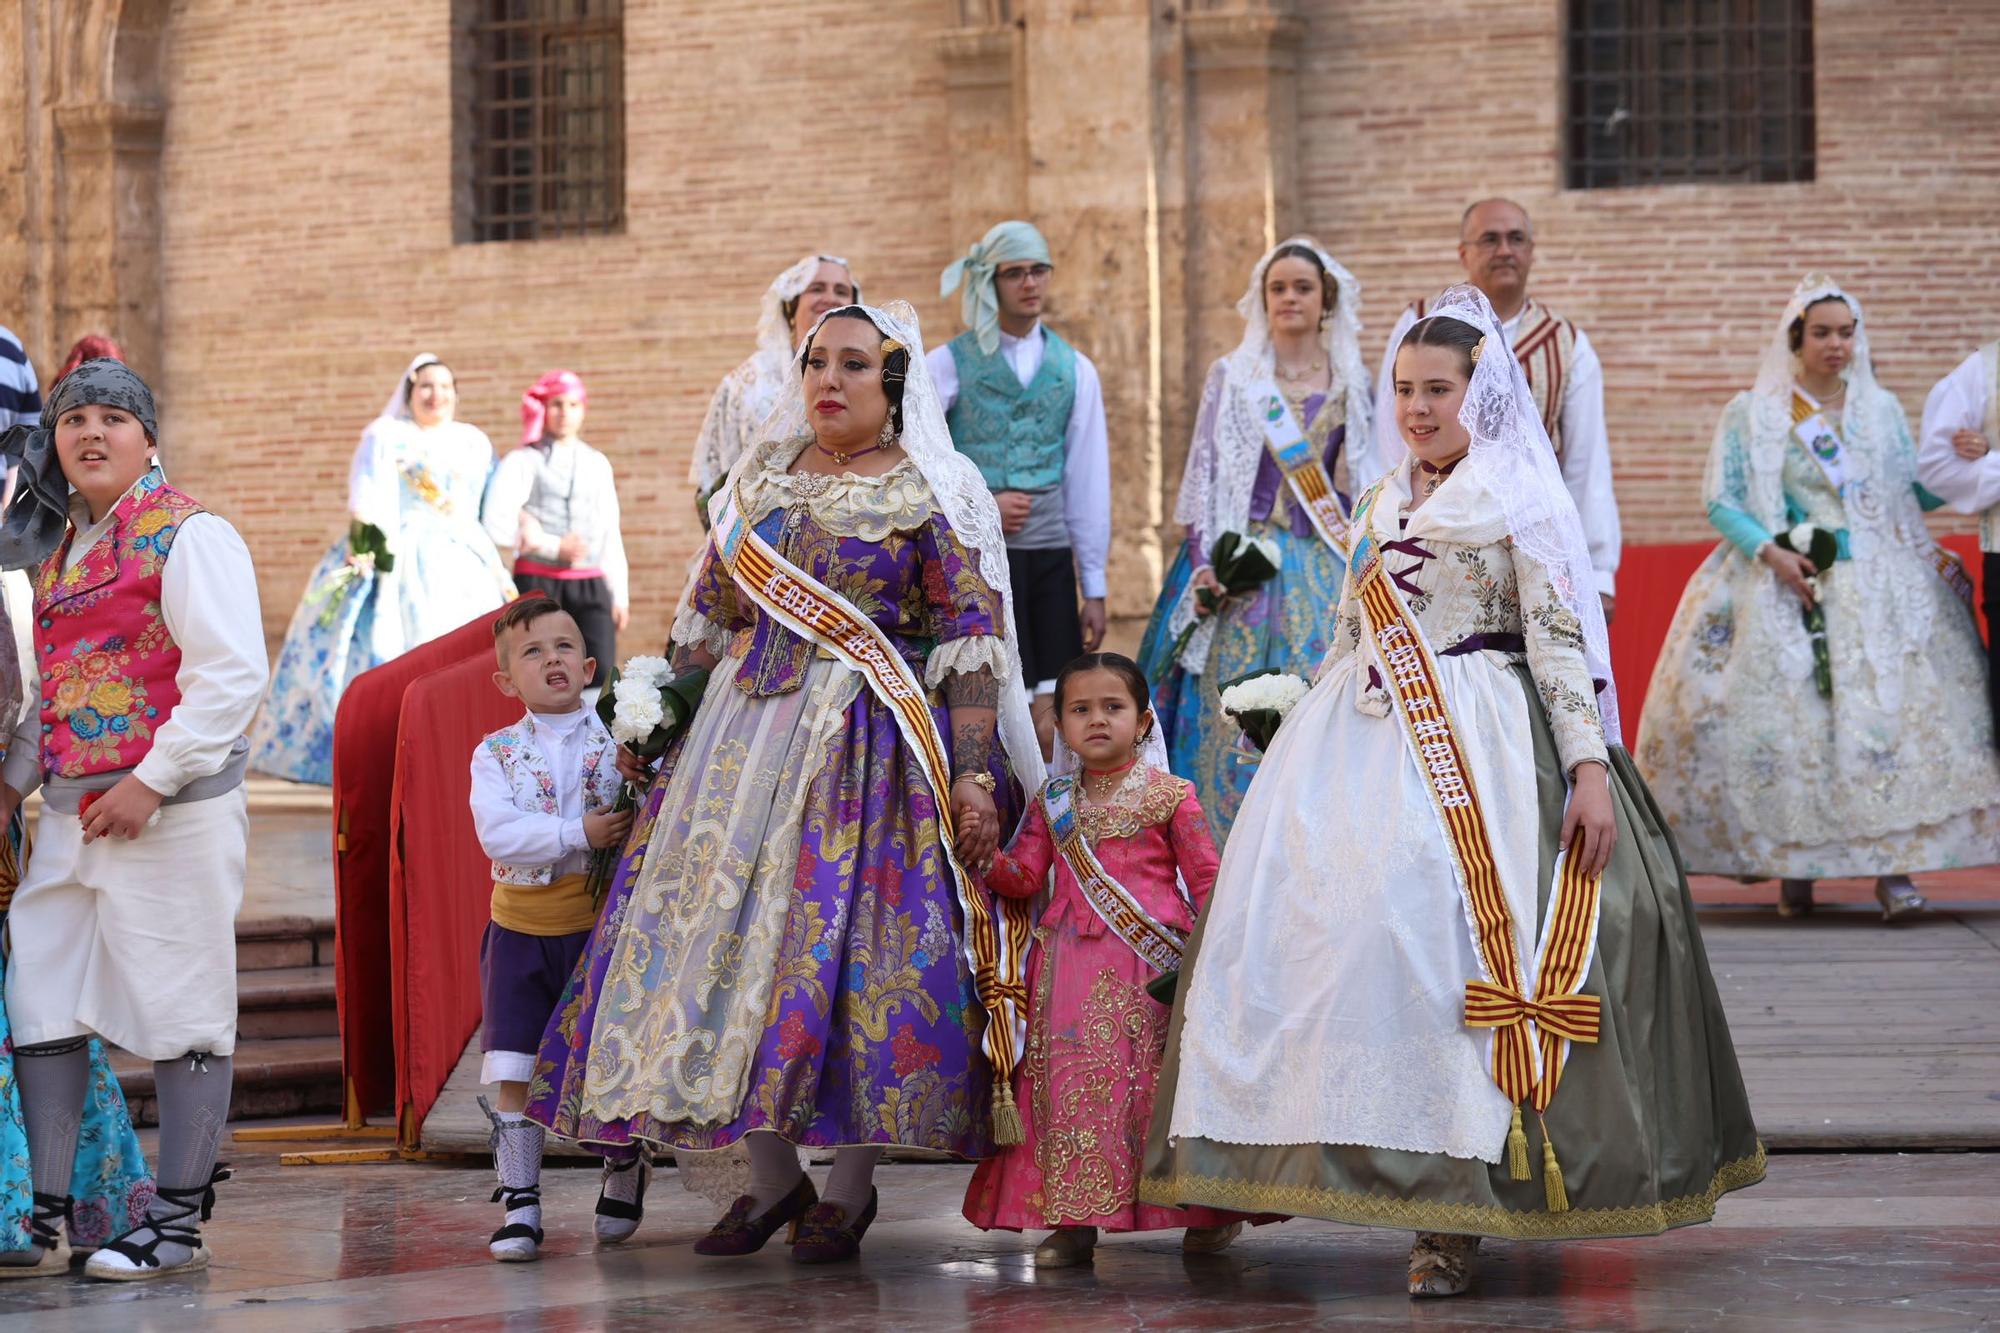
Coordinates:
x,y
107,261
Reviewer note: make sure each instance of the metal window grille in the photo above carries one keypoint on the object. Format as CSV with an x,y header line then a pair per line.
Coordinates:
x,y
547,140
1662,91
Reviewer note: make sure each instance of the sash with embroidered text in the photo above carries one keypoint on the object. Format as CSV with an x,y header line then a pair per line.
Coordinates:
x,y
1534,1016
997,930
1158,944
1303,469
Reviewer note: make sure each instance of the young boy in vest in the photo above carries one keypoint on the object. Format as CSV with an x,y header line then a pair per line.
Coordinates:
x,y
542,791
1028,410
149,647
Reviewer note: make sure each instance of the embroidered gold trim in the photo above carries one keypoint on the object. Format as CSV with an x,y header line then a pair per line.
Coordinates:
x,y
1127,812
1381,1210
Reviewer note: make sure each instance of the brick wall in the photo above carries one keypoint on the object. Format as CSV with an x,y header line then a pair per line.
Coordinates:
x,y
306,246
1403,123
308,249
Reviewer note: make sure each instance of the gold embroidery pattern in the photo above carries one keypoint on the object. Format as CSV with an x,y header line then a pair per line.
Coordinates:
x,y
1146,798
1381,1210
1093,1096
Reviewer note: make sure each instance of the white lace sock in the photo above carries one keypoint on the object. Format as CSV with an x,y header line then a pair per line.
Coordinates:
x,y
774,1168
851,1180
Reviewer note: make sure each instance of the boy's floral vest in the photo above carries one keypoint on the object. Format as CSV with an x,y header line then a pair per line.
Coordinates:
x,y
107,662
534,783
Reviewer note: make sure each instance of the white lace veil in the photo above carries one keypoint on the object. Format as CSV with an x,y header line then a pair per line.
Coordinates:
x,y
1511,458
1879,503
956,486
774,331
398,406
1221,503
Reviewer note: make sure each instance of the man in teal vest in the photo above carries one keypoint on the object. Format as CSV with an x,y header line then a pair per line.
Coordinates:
x,y
1028,409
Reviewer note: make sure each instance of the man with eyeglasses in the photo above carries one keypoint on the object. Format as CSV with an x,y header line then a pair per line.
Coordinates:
x,y
1028,409
1496,244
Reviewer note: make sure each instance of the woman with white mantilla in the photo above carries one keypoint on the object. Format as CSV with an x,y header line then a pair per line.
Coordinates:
x,y
1884,765
1450,802
417,479
1259,470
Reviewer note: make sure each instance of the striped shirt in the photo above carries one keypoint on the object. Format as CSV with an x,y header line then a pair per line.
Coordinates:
x,y
20,395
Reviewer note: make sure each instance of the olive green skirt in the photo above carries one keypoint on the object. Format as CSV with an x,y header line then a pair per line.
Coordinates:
x,y
1650,1125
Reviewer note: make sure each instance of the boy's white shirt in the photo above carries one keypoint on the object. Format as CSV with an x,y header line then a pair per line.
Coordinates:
x,y
513,836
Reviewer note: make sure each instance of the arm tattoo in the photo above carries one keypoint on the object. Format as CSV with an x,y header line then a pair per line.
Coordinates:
x,y
972,747
977,689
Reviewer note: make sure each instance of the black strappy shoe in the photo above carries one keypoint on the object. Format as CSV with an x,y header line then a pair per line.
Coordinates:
x,y
617,1219
130,1259
530,1197
47,1242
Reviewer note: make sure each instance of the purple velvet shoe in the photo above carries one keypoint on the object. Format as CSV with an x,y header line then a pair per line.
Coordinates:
x,y
739,1233
821,1239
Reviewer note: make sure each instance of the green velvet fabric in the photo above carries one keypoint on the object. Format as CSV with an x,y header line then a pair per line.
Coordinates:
x,y
1650,1125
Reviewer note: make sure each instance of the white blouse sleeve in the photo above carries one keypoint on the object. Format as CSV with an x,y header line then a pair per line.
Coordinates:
x,y
1586,464
1958,402
208,597
617,573
510,834
371,480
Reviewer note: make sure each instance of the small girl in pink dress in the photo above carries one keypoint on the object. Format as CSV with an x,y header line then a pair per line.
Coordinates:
x,y
1095,1037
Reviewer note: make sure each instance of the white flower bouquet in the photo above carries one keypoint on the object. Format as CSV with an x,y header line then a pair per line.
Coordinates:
x,y
646,707
1260,702
1822,548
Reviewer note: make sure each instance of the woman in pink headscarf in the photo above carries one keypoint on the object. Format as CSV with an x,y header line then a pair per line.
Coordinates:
x,y
413,565
554,505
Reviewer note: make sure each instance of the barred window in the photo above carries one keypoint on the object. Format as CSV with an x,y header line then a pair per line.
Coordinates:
x,y
543,118
1661,91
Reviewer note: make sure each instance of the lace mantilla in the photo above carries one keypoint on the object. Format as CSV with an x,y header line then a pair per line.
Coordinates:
x,y
845,504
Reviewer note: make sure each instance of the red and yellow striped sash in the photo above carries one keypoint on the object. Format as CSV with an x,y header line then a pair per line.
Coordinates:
x,y
997,930
1531,1030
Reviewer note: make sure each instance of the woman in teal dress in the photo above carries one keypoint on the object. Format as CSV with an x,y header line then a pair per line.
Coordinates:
x,y
1302,343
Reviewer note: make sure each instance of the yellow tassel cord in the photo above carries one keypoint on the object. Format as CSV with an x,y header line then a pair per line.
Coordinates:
x,y
1517,1149
1552,1176
1007,1127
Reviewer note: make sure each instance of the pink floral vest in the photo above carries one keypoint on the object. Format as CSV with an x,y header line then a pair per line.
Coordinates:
x,y
533,780
108,664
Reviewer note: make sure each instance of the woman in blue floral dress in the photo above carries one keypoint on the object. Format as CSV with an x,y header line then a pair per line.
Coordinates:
x,y
418,477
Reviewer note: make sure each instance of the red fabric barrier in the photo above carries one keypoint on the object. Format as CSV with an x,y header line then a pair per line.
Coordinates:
x,y
440,883
364,764
1650,582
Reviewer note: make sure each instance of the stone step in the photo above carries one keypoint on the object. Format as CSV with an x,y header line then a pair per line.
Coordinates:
x,y
283,942
275,1076
286,1002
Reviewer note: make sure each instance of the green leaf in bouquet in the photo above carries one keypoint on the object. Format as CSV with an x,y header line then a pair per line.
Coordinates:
x,y
368,539
1164,986
607,699
1825,550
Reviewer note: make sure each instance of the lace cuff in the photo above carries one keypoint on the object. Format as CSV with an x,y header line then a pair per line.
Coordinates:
x,y
692,629
966,655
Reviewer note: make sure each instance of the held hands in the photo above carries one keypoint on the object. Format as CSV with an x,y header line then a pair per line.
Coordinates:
x,y
978,821
607,828
1969,445
573,550
1014,506
1589,828
1793,570
121,812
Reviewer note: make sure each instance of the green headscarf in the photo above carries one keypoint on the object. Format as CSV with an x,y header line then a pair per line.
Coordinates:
x,y
1007,243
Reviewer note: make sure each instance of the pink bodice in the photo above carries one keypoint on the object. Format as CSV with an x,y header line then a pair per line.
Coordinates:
x,y
1149,828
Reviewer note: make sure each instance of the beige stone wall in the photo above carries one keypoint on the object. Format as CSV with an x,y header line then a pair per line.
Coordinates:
x,y
300,239
1402,124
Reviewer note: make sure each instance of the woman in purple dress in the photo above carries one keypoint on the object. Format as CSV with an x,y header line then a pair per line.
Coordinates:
x,y
797,952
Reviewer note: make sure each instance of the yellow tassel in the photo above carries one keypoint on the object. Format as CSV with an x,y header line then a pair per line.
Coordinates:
x,y
1552,1176
1007,1127
1517,1149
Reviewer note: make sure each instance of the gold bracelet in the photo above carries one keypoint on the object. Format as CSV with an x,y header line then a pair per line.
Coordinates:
x,y
982,780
